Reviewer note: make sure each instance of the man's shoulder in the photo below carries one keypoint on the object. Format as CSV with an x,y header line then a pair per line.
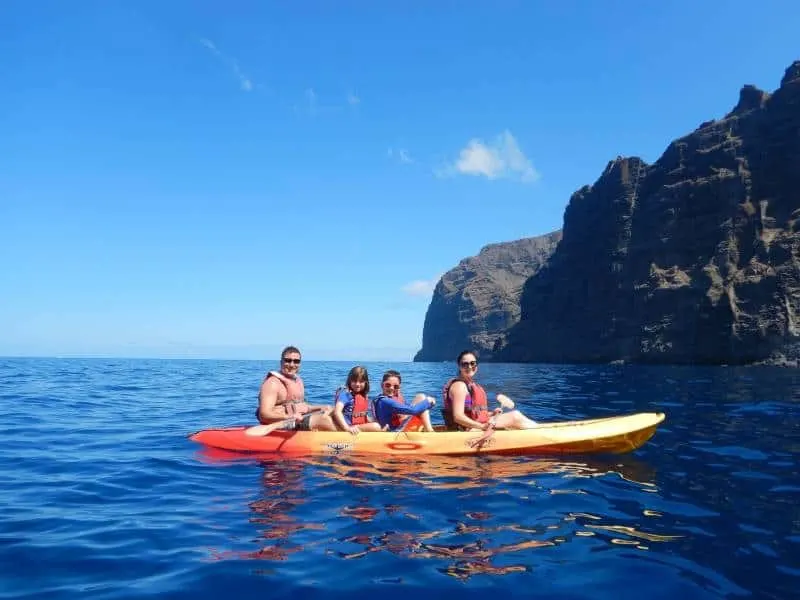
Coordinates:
x,y
271,382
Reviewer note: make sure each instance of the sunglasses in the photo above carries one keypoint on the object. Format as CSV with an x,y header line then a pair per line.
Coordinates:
x,y
389,386
292,361
469,363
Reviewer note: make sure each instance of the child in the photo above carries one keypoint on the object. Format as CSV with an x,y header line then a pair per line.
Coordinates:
x,y
392,411
351,410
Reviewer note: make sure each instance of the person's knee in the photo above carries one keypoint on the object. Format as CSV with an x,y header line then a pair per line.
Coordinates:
x,y
323,423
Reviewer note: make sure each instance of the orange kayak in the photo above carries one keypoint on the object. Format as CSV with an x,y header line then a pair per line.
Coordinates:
x,y
609,435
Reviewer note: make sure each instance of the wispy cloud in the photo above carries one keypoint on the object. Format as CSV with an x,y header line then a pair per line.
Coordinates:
x,y
500,159
311,101
245,83
420,287
400,154
314,106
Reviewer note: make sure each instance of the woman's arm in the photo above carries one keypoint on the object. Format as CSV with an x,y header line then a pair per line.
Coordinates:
x,y
404,409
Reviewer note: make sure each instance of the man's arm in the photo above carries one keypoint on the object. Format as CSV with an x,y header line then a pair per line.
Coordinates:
x,y
267,397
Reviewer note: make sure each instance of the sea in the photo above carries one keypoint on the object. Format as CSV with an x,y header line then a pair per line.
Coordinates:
x,y
103,496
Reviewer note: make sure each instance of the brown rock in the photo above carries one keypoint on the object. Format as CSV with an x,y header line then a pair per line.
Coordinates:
x,y
475,303
694,259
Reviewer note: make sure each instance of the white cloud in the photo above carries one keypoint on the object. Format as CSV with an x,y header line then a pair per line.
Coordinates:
x,y
245,83
311,101
501,159
210,45
315,105
401,154
420,287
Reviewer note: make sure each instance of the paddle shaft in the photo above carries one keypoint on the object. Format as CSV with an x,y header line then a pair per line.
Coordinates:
x,y
263,430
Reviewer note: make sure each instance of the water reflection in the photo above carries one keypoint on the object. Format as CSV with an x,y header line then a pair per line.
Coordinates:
x,y
436,472
477,545
464,537
274,512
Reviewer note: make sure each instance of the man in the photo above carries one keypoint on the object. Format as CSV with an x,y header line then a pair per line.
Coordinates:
x,y
282,396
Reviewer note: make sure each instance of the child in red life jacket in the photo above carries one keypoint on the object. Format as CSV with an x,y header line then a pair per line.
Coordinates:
x,y
351,409
391,409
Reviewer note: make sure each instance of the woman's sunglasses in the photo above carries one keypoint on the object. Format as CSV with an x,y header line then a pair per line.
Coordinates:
x,y
389,386
292,361
469,363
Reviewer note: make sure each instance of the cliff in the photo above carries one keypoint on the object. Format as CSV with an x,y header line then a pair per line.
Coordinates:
x,y
474,304
693,259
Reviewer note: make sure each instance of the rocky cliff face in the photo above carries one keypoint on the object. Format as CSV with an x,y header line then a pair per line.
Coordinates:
x,y
475,303
694,259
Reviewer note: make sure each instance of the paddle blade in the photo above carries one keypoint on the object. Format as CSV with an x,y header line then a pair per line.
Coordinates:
x,y
413,423
258,430
505,401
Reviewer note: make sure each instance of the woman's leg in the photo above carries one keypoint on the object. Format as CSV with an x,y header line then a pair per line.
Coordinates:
x,y
426,420
514,420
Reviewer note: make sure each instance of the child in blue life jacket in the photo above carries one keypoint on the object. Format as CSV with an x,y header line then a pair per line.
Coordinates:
x,y
351,409
391,409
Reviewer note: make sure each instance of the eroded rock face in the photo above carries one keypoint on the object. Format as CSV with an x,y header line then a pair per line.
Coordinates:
x,y
694,259
475,304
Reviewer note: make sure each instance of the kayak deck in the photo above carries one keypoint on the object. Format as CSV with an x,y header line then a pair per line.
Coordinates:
x,y
608,435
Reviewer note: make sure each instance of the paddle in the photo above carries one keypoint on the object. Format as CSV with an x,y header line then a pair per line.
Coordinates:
x,y
504,402
263,430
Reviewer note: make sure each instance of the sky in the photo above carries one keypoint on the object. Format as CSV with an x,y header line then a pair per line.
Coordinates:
x,y
222,179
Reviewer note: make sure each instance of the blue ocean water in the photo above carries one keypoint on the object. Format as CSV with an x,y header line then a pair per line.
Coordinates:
x,y
103,495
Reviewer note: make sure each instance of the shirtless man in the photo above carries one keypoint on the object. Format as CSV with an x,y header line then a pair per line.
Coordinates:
x,y
282,396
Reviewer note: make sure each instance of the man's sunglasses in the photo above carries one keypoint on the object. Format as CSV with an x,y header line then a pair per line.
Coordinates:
x,y
469,363
292,361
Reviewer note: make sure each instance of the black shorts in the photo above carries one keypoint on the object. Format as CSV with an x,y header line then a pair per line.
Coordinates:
x,y
303,425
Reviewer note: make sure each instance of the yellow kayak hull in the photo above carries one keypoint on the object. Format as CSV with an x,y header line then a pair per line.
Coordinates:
x,y
609,435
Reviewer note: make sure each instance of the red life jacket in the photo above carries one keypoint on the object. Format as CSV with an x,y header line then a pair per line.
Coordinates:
x,y
360,410
397,418
295,393
360,414
476,404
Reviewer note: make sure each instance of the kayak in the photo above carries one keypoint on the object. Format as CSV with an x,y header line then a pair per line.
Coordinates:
x,y
609,435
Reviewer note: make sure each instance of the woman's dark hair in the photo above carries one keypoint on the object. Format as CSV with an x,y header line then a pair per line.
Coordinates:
x,y
391,373
463,354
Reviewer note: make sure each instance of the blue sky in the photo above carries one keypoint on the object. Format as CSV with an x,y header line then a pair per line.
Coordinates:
x,y
222,179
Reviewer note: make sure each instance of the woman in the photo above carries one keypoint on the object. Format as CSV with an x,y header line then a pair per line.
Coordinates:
x,y
466,406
